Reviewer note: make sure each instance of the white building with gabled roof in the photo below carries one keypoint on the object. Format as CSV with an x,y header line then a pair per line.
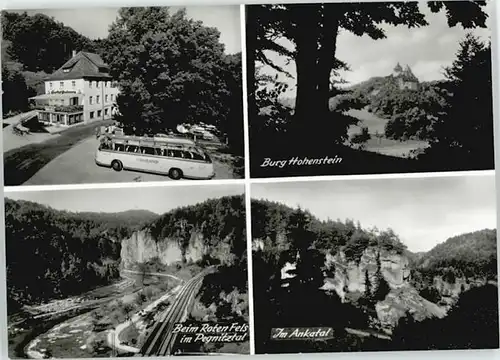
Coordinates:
x,y
81,90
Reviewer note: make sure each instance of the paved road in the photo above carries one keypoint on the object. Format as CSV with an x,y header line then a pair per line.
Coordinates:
x,y
17,118
77,166
12,140
161,340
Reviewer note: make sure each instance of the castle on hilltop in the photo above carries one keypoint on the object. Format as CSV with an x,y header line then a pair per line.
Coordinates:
x,y
405,78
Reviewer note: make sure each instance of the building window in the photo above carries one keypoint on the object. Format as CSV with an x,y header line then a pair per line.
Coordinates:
x,y
90,84
112,97
99,113
92,114
106,98
97,84
90,100
97,99
61,85
73,83
106,111
50,85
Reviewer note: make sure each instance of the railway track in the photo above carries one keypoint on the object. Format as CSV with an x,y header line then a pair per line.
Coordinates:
x,y
161,341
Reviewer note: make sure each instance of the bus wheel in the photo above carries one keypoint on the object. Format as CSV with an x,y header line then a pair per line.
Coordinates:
x,y
175,174
117,165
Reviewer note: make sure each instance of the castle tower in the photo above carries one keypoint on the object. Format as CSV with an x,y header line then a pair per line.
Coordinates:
x,y
408,73
397,70
405,78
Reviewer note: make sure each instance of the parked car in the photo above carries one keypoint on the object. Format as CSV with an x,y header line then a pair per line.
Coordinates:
x,y
208,136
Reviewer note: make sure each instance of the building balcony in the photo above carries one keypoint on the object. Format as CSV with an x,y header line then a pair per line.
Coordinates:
x,y
62,102
68,108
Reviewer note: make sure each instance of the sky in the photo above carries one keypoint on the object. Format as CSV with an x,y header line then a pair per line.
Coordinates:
x,y
426,50
94,22
156,199
422,211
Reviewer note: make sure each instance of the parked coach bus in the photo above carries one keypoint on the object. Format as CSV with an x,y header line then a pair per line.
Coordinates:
x,y
177,158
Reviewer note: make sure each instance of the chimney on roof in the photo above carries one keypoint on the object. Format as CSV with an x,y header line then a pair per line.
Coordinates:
x,y
73,53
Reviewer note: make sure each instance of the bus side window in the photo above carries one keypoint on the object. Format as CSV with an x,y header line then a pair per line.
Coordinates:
x,y
177,153
197,156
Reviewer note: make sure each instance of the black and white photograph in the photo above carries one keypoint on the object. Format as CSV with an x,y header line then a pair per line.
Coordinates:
x,y
369,87
107,95
150,271
375,265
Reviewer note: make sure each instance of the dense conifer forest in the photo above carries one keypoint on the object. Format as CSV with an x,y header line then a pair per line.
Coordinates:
x,y
220,221
52,253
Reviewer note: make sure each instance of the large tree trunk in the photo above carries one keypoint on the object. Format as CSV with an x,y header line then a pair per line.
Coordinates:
x,y
251,42
306,101
315,58
326,60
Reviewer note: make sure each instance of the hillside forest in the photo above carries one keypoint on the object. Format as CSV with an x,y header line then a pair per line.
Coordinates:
x,y
197,82
453,115
68,253
33,47
284,236
456,123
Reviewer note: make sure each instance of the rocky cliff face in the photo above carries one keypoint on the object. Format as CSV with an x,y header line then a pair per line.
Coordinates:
x,y
450,291
142,247
401,301
350,275
347,279
395,268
